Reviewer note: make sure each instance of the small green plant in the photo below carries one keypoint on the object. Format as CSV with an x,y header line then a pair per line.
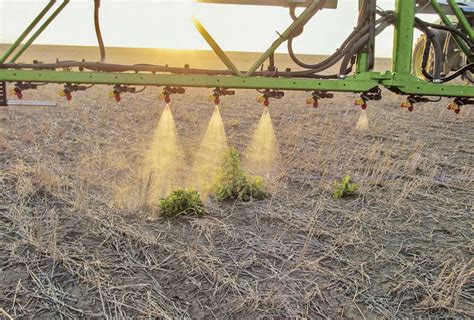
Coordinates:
x,y
182,202
234,183
344,188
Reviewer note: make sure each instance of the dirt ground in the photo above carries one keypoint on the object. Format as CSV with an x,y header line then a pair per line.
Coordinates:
x,y
401,248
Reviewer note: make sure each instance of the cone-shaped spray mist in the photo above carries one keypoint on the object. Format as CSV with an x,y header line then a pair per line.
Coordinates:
x,y
211,154
161,172
363,122
262,153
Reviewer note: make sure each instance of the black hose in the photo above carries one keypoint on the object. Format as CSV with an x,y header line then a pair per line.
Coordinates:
x,y
336,56
371,13
107,67
141,90
297,33
359,31
97,30
452,30
331,60
431,39
385,22
457,73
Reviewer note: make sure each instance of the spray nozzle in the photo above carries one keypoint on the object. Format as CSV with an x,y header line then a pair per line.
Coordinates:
x,y
219,92
65,93
312,102
458,103
165,95
267,94
116,93
361,102
20,87
16,92
316,96
407,104
69,89
454,106
374,94
410,102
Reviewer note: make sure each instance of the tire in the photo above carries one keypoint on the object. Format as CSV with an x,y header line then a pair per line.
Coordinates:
x,y
418,56
419,50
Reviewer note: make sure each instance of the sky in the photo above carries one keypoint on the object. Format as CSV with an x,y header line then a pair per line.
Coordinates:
x,y
167,24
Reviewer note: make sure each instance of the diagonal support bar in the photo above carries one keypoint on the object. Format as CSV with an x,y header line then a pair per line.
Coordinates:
x,y
445,19
27,31
284,36
40,30
462,19
216,48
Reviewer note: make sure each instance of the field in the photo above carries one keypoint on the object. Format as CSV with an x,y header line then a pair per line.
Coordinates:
x,y
401,248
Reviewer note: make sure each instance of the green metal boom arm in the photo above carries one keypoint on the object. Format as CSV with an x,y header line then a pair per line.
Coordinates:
x,y
399,79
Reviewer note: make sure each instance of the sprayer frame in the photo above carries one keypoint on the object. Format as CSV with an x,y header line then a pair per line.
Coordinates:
x,y
400,79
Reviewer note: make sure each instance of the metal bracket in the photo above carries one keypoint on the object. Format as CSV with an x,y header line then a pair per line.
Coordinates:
x,y
3,94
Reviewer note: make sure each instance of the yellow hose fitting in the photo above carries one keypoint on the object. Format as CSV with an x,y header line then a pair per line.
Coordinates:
x,y
406,104
359,102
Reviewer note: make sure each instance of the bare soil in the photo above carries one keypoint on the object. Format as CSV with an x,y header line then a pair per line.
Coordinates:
x,y
401,248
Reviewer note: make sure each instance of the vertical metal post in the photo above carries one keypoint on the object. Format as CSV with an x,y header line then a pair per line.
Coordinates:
x,y
403,37
39,31
27,31
362,56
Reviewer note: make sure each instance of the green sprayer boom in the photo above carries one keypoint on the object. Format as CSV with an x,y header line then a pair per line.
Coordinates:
x,y
420,71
